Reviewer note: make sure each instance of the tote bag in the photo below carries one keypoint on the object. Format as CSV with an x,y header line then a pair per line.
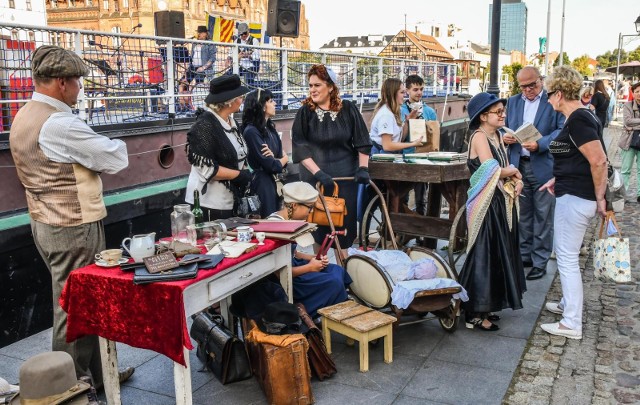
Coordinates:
x,y
611,260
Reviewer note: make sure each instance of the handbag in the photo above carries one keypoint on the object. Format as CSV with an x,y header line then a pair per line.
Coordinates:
x,y
611,260
635,140
321,363
337,208
616,192
249,205
219,350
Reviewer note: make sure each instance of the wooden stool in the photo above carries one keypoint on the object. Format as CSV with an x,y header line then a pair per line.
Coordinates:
x,y
359,323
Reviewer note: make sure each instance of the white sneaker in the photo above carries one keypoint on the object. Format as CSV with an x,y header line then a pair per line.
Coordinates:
x,y
554,329
554,307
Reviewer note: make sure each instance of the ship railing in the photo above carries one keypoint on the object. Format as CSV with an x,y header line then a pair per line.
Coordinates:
x,y
135,78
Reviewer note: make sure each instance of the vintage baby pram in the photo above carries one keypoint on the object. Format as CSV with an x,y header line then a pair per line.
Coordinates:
x,y
372,284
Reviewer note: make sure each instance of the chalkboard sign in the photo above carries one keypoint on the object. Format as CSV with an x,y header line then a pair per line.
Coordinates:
x,y
159,263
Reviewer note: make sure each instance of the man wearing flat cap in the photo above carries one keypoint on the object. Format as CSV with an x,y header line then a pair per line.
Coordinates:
x,y
59,159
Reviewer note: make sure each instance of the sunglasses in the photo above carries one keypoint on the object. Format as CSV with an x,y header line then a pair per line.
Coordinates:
x,y
529,86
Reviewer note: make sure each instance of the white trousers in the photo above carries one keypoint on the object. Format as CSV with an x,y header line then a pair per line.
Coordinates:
x,y
571,219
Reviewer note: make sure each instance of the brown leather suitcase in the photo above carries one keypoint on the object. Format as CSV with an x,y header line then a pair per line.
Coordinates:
x,y
283,372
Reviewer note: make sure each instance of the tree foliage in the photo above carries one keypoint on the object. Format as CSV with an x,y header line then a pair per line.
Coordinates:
x,y
565,60
512,71
610,58
581,64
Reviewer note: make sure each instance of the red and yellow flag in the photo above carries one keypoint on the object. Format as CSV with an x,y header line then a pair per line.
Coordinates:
x,y
226,30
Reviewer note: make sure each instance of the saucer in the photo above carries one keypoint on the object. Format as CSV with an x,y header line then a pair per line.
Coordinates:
x,y
102,263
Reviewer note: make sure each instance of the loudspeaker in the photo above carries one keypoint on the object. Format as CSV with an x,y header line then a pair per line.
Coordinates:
x,y
169,24
283,18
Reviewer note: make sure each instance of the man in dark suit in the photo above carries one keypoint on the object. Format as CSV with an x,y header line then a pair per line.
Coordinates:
x,y
536,165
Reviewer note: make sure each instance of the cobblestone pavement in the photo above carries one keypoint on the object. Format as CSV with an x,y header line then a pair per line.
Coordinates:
x,y
603,367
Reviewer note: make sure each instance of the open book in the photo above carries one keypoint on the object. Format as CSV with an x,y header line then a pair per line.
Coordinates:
x,y
429,131
526,133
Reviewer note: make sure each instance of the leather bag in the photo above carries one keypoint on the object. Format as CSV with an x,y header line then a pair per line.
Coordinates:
x,y
336,206
219,350
282,372
321,363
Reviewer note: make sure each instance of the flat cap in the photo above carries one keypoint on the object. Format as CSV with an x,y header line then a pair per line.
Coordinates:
x,y
299,192
53,61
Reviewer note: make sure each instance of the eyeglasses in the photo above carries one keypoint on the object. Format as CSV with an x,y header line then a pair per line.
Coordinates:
x,y
551,93
498,112
309,207
529,86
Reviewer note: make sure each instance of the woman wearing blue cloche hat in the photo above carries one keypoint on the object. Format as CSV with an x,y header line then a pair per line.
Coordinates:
x,y
492,273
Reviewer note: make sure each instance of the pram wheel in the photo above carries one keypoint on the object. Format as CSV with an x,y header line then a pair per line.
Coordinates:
x,y
450,321
374,231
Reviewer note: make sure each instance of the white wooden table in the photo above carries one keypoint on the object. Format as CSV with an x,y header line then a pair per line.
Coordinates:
x,y
197,297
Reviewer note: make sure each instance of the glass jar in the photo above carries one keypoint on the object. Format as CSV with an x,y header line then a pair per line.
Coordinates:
x,y
181,217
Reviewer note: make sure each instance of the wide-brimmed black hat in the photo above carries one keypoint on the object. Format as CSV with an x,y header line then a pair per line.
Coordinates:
x,y
225,88
280,318
202,28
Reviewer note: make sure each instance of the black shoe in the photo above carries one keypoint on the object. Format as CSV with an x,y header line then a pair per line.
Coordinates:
x,y
527,264
476,323
536,273
638,199
493,317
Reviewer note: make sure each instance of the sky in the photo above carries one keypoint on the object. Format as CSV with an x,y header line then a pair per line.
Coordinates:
x,y
591,26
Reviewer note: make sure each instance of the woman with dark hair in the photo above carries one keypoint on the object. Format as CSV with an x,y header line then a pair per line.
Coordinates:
x,y
600,101
265,148
217,152
387,130
330,139
492,273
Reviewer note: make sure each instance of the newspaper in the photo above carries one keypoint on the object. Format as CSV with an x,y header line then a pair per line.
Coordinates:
x,y
526,133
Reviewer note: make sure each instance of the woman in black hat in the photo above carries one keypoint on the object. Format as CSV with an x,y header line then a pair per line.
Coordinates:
x,y
266,157
217,151
492,273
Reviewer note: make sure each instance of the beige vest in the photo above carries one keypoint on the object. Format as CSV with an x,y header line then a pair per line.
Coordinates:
x,y
60,194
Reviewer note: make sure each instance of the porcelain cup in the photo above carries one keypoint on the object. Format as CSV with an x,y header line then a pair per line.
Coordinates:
x,y
110,256
245,233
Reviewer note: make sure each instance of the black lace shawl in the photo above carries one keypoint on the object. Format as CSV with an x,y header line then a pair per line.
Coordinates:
x,y
208,145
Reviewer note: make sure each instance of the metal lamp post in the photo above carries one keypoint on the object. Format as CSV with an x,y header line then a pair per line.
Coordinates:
x,y
620,36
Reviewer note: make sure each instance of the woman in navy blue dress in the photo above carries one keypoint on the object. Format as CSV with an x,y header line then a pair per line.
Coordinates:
x,y
265,154
316,282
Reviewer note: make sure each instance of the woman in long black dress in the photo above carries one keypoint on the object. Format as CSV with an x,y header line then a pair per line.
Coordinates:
x,y
265,148
330,139
600,101
492,273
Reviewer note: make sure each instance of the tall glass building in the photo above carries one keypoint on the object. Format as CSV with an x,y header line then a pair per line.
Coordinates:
x,y
513,26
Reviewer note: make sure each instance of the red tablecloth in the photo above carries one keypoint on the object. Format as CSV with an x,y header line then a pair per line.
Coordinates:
x,y
105,302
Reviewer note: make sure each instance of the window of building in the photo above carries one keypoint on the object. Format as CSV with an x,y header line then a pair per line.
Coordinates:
x,y
89,3
29,7
116,6
125,3
12,4
105,5
116,40
14,35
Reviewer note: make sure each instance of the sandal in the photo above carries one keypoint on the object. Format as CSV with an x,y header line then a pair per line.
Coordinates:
x,y
493,317
477,323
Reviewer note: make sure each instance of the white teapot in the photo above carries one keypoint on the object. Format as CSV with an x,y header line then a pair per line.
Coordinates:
x,y
140,246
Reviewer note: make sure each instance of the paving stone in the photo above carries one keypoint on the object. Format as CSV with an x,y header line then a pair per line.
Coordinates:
x,y
627,380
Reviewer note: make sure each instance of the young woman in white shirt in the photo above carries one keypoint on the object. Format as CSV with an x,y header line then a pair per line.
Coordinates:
x,y
387,130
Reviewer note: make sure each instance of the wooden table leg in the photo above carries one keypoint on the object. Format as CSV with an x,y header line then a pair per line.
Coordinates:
x,y
182,380
109,358
364,352
388,345
326,334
